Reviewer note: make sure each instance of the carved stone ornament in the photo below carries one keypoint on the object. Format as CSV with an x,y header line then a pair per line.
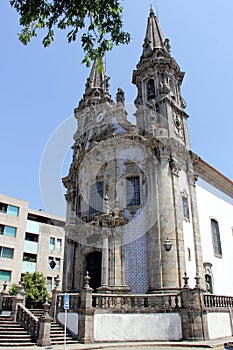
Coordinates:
x,y
174,165
178,125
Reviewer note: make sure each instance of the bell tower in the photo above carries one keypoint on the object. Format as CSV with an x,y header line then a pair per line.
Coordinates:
x,y
158,77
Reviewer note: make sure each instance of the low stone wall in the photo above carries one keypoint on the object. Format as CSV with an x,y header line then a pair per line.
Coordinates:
x,y
72,321
219,324
137,327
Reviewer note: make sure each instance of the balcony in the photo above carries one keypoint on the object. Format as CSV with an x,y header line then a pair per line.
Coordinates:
x,y
28,266
31,247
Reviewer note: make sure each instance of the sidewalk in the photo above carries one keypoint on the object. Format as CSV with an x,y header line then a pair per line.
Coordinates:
x,y
214,344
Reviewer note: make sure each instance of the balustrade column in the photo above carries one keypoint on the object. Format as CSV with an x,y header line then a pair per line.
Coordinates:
x,y
44,327
105,265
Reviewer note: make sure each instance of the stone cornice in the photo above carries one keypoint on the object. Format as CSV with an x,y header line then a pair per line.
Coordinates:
x,y
209,174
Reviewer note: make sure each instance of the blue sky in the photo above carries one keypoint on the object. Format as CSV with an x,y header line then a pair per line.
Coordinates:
x,y
40,87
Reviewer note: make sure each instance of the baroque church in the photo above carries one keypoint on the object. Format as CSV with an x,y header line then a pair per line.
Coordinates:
x,y
144,212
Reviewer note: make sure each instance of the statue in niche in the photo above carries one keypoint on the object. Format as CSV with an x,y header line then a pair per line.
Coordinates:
x,y
120,96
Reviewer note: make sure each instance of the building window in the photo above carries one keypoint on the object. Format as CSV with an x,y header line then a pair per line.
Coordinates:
x,y
5,275
96,197
216,238
7,231
185,204
52,243
133,191
150,89
59,245
31,237
9,209
6,252
58,264
49,284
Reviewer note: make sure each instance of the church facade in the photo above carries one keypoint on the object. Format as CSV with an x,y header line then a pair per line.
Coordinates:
x,y
143,210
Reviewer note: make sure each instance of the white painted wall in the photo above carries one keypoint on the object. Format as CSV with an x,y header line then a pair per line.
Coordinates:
x,y
72,321
214,204
135,327
219,324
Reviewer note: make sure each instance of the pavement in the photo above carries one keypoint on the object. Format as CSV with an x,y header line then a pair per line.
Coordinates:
x,y
163,345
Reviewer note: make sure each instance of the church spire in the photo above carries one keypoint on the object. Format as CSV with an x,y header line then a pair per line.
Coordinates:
x,y
154,38
97,86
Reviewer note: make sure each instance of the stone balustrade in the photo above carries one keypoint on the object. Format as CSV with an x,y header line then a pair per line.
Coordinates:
x,y
75,301
7,302
217,301
134,302
28,321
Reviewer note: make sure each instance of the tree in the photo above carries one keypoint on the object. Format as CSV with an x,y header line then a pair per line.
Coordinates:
x,y
13,289
35,288
100,23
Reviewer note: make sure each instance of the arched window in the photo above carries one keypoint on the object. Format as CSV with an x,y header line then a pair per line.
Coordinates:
x,y
150,89
216,238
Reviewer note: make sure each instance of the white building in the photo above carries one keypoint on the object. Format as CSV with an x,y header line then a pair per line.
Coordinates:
x,y
29,241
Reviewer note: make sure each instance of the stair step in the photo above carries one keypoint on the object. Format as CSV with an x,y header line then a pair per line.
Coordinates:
x,y
15,340
18,345
12,332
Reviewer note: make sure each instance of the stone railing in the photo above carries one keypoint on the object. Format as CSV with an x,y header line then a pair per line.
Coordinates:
x,y
134,302
28,321
217,301
7,302
75,301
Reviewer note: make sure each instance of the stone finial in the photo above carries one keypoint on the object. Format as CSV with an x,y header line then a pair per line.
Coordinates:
x,y
107,207
197,278
57,281
186,278
46,307
86,280
117,209
4,286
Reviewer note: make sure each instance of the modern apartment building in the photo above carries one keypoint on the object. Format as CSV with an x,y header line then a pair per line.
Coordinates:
x,y
29,241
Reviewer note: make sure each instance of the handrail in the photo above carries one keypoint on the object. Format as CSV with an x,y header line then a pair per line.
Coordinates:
x,y
28,321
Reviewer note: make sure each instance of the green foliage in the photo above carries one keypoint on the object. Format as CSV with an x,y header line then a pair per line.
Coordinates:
x,y
99,21
35,287
13,290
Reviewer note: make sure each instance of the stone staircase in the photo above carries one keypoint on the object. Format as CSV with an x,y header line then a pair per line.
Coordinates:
x,y
12,334
57,331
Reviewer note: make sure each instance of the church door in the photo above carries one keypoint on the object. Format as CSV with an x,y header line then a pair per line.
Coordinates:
x,y
94,268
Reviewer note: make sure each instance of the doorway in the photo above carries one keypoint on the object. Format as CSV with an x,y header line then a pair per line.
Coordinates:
x,y
94,268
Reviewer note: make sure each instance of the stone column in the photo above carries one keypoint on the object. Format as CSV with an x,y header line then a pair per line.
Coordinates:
x,y
178,217
44,327
105,264
117,277
169,263
86,314
153,226
69,265
193,314
18,299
